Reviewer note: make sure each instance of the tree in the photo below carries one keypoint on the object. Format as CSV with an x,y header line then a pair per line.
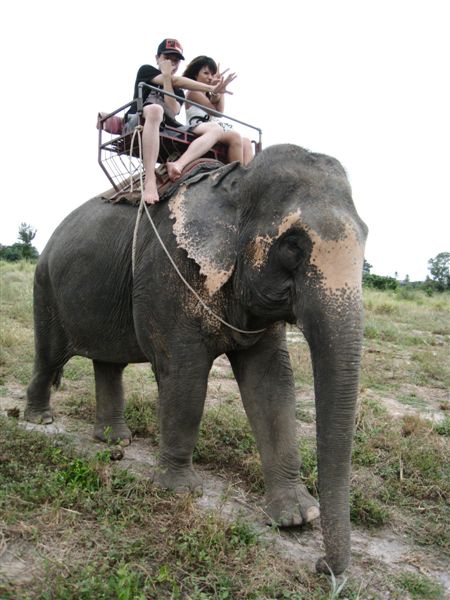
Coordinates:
x,y
11,253
439,267
23,249
380,282
366,267
26,234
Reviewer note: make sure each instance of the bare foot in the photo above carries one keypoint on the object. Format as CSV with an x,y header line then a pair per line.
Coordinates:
x,y
173,171
150,193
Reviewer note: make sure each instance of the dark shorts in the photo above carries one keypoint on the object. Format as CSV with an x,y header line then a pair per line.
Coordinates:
x,y
169,116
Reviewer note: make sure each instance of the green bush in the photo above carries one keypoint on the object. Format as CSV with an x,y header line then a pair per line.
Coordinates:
x,y
380,282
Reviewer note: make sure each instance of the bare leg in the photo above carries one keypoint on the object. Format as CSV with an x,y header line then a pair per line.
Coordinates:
x,y
235,148
209,134
248,150
153,114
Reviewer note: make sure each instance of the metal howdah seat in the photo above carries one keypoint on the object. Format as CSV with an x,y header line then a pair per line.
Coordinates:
x,y
119,149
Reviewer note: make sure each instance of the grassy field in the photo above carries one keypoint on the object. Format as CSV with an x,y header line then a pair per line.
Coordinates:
x,y
76,524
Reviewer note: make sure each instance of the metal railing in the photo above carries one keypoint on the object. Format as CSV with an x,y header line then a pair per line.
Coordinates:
x,y
109,149
216,113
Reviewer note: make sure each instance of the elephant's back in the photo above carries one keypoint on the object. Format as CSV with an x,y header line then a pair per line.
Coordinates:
x,y
89,253
95,226
85,274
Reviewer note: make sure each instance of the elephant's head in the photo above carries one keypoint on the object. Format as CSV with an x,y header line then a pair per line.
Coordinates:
x,y
284,234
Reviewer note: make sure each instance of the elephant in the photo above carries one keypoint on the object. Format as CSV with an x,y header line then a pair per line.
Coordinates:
x,y
252,248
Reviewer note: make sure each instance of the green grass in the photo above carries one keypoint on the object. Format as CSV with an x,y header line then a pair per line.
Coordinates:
x,y
412,400
405,339
409,467
420,587
443,428
102,533
123,539
226,443
431,367
16,317
141,416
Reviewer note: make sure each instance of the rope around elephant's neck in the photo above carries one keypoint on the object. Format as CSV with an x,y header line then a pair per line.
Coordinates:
x,y
142,207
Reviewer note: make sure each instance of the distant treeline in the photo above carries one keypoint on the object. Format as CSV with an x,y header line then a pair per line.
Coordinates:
x,y
22,249
439,268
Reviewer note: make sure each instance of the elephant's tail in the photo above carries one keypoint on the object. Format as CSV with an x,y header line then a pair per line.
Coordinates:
x,y
57,378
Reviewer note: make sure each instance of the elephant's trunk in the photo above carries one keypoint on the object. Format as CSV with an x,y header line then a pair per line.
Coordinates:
x,y
335,342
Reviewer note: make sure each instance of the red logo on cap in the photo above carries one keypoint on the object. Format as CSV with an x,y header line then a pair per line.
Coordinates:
x,y
174,45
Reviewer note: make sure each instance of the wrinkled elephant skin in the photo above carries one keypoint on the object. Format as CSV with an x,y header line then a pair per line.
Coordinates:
x,y
278,241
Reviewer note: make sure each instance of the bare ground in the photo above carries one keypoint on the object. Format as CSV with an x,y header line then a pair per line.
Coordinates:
x,y
375,556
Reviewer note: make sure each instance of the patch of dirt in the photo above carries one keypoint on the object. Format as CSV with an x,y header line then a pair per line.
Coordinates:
x,y
19,562
375,555
422,402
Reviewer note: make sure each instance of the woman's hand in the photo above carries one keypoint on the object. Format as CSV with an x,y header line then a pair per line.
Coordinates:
x,y
220,84
216,78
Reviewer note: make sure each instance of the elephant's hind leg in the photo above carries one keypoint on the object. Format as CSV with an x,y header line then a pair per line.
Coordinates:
x,y
110,423
38,408
52,353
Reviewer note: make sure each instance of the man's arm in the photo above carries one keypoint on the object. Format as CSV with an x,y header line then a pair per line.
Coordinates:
x,y
167,83
185,83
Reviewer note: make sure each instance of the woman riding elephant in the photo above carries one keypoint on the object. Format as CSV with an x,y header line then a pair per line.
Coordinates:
x,y
214,129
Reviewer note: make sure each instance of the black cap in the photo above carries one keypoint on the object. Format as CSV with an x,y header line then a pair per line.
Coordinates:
x,y
170,46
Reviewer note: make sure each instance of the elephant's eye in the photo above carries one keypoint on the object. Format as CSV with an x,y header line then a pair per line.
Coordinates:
x,y
293,246
291,252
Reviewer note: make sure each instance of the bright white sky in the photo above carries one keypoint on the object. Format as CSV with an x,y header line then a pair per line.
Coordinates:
x,y
366,81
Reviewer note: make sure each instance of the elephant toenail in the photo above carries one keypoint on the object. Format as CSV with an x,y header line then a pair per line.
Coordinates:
x,y
312,513
296,520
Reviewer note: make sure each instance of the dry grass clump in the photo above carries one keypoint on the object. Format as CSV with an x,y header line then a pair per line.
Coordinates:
x,y
409,461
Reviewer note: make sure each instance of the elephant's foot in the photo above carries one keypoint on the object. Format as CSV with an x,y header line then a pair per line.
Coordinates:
x,y
119,433
42,416
288,507
331,567
180,481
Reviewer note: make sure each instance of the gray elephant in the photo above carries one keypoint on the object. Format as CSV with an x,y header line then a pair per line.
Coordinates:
x,y
277,241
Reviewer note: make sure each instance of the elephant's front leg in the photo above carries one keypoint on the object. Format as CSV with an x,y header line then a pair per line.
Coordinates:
x,y
265,379
182,390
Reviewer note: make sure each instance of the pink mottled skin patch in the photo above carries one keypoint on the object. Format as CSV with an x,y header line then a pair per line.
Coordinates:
x,y
291,220
259,248
339,261
214,278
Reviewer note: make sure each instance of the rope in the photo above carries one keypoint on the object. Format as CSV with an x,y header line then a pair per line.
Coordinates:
x,y
142,207
137,130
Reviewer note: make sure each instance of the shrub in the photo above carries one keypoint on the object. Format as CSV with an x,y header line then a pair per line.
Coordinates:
x,y
380,282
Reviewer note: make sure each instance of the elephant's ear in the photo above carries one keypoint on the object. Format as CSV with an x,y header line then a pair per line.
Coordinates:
x,y
205,214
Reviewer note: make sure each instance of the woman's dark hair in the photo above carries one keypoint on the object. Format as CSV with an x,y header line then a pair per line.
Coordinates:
x,y
193,68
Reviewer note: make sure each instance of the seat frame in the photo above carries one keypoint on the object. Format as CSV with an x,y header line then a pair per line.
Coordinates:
x,y
119,153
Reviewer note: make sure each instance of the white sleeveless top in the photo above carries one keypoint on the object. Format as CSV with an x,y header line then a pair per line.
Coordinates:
x,y
195,116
